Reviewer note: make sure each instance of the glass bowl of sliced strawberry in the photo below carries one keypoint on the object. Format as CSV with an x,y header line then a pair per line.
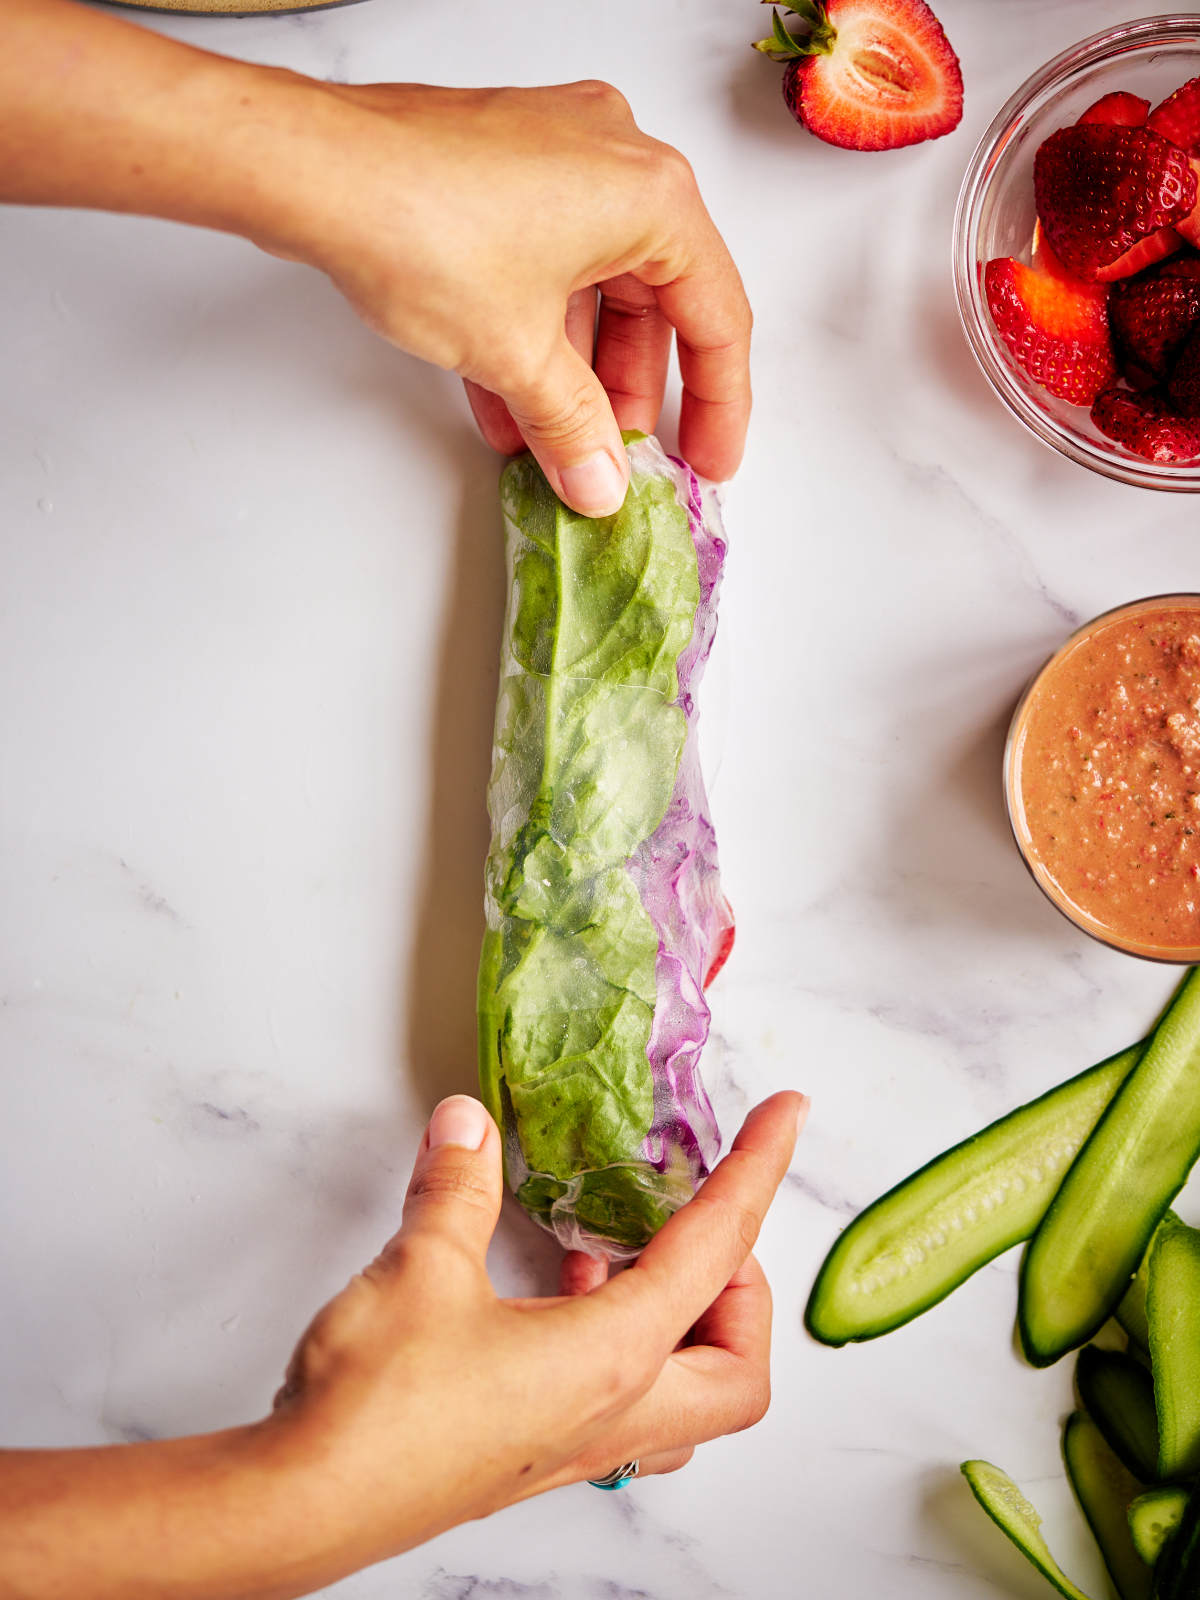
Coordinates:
x,y
1077,253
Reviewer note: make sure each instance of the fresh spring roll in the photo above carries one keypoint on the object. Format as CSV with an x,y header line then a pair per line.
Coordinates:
x,y
605,917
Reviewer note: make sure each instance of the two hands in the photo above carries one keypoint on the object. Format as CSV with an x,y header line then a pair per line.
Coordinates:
x,y
418,1399
538,243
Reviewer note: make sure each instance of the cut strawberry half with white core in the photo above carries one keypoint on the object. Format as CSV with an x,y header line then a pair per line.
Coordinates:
x,y
868,74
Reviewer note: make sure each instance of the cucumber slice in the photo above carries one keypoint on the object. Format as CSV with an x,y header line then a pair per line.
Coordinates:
x,y
1015,1517
1131,1308
1131,1314
1098,1225
1131,1311
1177,1573
1105,1489
1153,1518
919,1241
1173,1316
1118,1394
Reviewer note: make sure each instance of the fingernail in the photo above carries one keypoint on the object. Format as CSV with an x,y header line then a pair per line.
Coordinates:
x,y
458,1120
802,1114
596,486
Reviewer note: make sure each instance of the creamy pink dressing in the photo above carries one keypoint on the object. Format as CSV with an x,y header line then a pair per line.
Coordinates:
x,y
1107,775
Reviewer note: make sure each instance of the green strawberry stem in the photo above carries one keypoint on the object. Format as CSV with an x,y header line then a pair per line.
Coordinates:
x,y
785,46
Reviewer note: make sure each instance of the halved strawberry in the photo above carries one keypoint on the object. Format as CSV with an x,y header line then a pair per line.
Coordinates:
x,y
868,74
1044,259
1178,117
1153,314
1100,189
1120,109
1145,253
1183,387
1057,330
1189,227
1146,424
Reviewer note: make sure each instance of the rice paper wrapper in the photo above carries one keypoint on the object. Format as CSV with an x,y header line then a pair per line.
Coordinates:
x,y
605,916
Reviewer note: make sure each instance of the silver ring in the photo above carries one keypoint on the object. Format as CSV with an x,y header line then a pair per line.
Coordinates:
x,y
618,1477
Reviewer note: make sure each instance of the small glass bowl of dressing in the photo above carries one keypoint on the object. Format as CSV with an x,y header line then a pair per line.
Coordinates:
x,y
1102,778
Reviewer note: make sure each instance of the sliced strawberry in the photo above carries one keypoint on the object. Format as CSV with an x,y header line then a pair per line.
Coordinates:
x,y
1120,109
1100,189
868,74
1178,117
1183,387
1145,253
1153,248
724,945
1189,227
1147,425
1044,259
1138,377
1152,315
1057,330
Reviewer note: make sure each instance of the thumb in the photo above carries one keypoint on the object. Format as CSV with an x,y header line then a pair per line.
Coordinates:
x,y
566,419
456,1186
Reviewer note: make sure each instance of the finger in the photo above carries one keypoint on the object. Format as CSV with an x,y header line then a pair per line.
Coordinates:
x,y
700,1394
709,1389
493,417
711,316
721,1381
581,322
565,419
739,1319
581,1273
633,349
669,1461
649,1466
593,103
455,1190
695,1255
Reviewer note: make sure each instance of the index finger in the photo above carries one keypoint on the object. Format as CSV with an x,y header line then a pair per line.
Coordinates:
x,y
707,306
739,1320
688,1263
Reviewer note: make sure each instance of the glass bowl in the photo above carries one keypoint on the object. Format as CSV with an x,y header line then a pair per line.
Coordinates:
x,y
1045,682
995,217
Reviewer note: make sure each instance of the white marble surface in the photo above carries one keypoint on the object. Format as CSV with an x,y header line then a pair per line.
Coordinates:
x,y
248,619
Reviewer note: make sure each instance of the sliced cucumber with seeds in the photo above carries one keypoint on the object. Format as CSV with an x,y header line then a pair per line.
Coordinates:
x,y
1154,1517
1173,1317
1087,1248
1177,1571
923,1238
1105,1489
1015,1517
1118,1395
